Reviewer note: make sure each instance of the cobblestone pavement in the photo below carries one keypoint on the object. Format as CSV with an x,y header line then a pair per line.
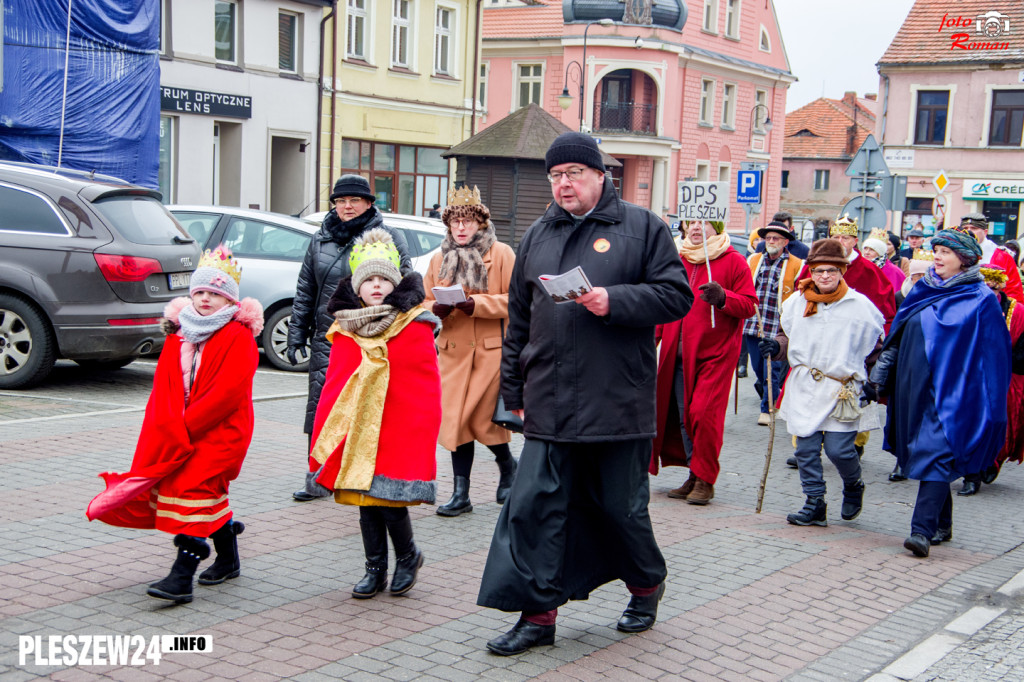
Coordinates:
x,y
749,596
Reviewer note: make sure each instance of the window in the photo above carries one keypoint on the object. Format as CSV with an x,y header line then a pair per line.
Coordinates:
x,y
287,42
707,100
165,26
729,106
821,179
444,18
400,19
732,18
256,239
530,80
703,169
760,112
28,212
710,16
723,172
166,172
225,31
766,42
356,30
931,117
482,92
405,178
785,179
1007,118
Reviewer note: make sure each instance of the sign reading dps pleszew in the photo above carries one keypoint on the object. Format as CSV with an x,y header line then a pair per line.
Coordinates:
x,y
703,200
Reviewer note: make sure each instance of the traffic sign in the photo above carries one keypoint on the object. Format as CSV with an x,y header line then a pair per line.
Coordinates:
x,y
939,210
862,184
748,187
868,160
941,181
869,211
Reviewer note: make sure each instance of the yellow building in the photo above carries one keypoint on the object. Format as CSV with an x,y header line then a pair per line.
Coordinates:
x,y
402,94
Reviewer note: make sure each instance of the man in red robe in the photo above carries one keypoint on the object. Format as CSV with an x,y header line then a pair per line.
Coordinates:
x,y
991,254
697,360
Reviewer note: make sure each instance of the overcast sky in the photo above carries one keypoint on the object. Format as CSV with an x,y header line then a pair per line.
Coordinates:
x,y
833,46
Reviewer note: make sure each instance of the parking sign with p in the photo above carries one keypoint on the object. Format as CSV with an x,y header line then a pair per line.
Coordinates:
x,y
748,187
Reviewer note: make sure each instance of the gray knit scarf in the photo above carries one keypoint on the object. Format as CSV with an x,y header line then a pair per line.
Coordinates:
x,y
966,276
464,264
368,321
197,328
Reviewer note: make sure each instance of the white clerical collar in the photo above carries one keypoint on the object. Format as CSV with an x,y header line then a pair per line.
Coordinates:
x,y
853,256
988,249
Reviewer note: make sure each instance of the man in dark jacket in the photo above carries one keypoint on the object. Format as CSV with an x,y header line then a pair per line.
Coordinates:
x,y
584,371
326,264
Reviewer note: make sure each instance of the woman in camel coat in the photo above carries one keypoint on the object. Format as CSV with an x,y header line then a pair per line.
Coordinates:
x,y
469,346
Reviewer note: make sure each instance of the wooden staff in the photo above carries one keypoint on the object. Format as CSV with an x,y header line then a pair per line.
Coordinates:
x,y
707,262
736,393
771,418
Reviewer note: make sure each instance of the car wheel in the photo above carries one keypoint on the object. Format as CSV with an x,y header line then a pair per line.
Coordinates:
x,y
275,342
27,347
105,365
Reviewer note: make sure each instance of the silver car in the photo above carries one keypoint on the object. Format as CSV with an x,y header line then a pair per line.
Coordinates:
x,y
422,235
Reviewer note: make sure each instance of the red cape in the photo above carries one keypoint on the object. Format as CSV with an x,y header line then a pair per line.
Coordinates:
x,y
709,361
1013,449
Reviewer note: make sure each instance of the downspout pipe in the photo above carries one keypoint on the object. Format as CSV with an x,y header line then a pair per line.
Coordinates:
x,y
334,89
320,103
477,46
885,107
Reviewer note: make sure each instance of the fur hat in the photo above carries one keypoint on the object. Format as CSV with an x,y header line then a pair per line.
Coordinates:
x,y
464,202
374,253
777,227
218,272
827,251
352,185
575,147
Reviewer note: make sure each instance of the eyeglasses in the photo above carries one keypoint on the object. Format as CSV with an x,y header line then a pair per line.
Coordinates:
x,y
573,174
775,238
825,272
350,201
468,222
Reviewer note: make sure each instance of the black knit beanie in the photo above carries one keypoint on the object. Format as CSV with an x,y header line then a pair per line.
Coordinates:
x,y
352,185
572,147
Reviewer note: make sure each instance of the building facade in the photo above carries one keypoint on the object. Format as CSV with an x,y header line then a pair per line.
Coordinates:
x,y
239,100
671,96
952,112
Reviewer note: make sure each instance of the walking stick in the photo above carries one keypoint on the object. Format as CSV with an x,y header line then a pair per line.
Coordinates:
x,y
736,393
704,243
771,418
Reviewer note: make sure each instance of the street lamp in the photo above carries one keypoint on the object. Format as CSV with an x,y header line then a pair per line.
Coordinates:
x,y
767,121
565,99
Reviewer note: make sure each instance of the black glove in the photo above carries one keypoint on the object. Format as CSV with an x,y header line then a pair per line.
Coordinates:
x,y
713,294
466,306
868,394
292,352
442,310
769,348
883,369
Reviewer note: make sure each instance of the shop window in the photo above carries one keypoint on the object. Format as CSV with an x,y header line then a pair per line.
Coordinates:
x,y
406,178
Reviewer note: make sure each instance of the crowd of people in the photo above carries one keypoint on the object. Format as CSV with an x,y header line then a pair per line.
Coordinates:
x,y
610,386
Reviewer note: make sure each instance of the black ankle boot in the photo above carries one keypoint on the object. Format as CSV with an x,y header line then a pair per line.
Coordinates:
x,y
853,501
641,612
375,543
177,586
507,467
459,502
226,566
813,513
408,557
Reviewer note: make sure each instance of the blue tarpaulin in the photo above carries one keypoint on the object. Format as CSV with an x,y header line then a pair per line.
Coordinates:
x,y
112,110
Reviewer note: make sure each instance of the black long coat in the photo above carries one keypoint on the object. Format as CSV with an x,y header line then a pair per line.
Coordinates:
x,y
326,264
583,378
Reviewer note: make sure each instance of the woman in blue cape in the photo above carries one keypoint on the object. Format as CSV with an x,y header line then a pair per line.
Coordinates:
x,y
946,368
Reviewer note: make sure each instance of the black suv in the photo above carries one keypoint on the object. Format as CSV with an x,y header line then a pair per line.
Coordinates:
x,y
87,264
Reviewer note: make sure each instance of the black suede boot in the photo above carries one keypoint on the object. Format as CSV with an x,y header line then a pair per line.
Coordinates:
x,y
812,514
177,586
507,467
459,502
375,544
226,566
408,557
853,501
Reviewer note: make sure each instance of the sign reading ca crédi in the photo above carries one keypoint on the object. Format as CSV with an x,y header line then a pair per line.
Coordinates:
x,y
994,190
201,102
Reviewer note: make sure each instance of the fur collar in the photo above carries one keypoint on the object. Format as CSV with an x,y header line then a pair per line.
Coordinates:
x,y
407,295
250,314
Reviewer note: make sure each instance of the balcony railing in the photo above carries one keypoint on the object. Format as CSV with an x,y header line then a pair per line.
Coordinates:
x,y
636,119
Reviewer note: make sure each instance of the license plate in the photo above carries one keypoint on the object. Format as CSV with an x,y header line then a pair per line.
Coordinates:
x,y
179,280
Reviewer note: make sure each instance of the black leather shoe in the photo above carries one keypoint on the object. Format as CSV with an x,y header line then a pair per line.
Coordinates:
x,y
641,612
942,535
989,477
521,637
791,462
970,488
303,496
918,544
897,474
741,372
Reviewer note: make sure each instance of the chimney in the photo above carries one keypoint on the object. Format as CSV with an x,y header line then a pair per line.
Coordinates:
x,y
873,96
850,97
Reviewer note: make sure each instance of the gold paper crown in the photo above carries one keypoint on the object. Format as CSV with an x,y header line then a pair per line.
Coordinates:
x,y
996,275
220,258
879,233
921,254
463,196
375,244
844,225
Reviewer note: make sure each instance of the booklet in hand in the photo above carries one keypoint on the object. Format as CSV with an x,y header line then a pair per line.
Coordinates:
x,y
449,295
567,286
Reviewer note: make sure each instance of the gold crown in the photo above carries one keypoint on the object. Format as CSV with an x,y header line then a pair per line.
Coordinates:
x,y
879,233
921,254
463,196
844,225
220,258
995,275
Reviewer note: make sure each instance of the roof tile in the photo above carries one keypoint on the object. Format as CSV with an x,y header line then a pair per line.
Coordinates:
x,y
821,128
927,34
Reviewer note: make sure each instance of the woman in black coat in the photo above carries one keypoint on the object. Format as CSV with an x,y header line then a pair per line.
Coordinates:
x,y
326,264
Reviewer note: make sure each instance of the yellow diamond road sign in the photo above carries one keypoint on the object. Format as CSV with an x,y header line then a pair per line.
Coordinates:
x,y
940,181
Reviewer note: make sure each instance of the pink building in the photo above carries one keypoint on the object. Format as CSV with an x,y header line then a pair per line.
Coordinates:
x,y
670,97
952,99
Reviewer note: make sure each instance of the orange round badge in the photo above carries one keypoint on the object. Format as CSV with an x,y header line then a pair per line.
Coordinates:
x,y
602,245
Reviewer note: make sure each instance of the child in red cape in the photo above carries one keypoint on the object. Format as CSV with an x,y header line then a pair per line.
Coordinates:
x,y
376,426
196,431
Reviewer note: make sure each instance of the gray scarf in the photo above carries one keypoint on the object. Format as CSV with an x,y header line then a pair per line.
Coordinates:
x,y
197,328
971,274
368,321
464,264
